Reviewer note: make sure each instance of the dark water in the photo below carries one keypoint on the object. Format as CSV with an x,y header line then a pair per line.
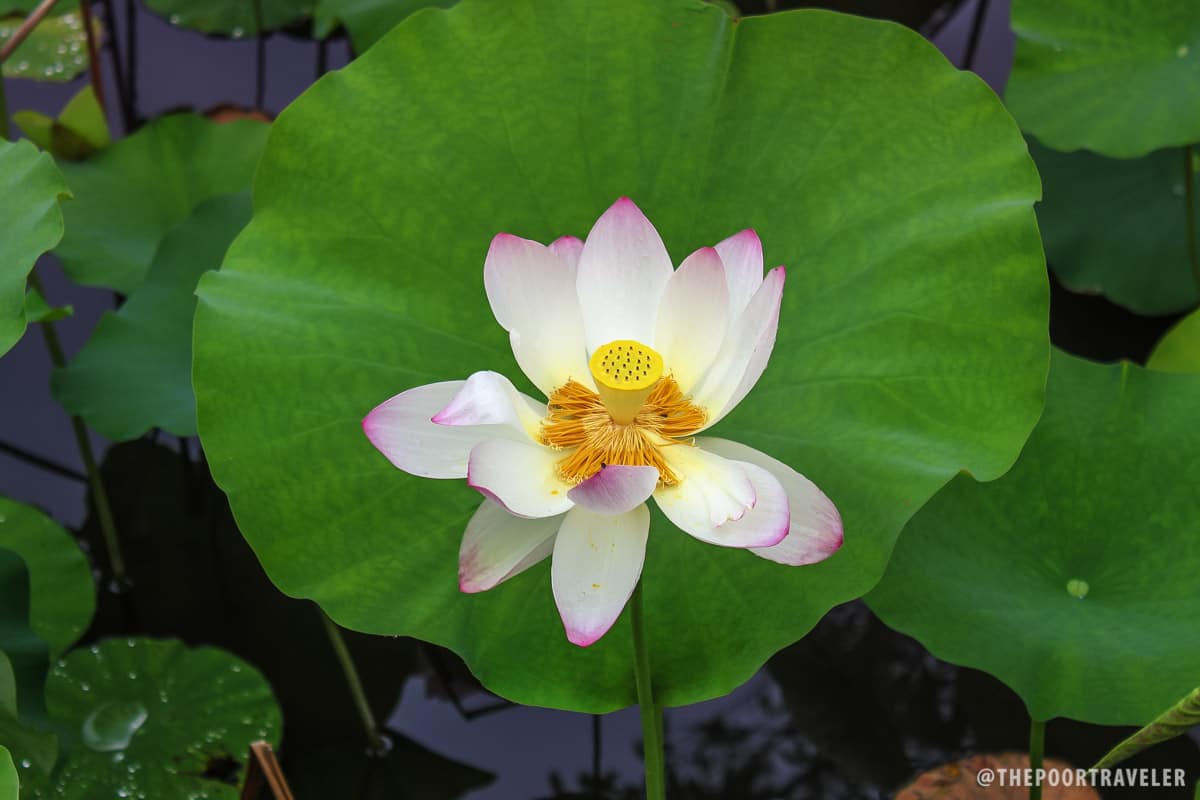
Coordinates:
x,y
852,711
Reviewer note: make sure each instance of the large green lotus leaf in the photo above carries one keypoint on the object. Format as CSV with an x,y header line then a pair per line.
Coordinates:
x,y
153,718
55,51
132,193
33,754
235,18
80,130
1117,227
135,373
367,20
10,786
62,597
8,686
1119,78
1075,573
1179,350
30,190
27,656
47,599
33,751
38,310
912,343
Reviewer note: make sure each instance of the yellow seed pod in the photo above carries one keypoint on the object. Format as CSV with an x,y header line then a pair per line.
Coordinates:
x,y
625,372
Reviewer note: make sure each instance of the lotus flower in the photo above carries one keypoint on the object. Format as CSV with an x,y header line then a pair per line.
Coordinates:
x,y
635,358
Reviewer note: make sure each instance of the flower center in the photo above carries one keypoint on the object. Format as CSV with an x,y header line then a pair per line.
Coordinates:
x,y
637,411
625,372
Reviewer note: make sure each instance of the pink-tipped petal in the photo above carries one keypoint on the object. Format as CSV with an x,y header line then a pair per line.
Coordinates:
x,y
615,489
568,249
497,545
622,272
815,532
520,476
742,255
402,429
489,398
532,293
692,317
722,501
596,565
745,352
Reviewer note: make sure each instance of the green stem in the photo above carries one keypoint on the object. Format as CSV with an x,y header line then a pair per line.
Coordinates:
x,y
93,50
1037,745
108,527
374,739
1189,198
652,712
1175,721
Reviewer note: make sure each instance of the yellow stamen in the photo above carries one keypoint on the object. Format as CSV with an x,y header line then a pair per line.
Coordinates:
x,y
579,421
625,372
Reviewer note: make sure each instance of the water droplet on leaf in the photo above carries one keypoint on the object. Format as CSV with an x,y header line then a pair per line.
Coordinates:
x,y
382,748
112,725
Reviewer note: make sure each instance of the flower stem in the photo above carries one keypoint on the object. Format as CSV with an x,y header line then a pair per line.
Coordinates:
x,y
85,12
652,712
131,63
375,740
981,12
25,28
113,45
108,526
260,57
1189,199
1037,745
